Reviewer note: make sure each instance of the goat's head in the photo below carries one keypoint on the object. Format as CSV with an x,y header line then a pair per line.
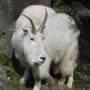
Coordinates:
x,y
35,38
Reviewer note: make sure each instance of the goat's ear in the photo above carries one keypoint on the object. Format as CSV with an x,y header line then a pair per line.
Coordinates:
x,y
42,26
33,26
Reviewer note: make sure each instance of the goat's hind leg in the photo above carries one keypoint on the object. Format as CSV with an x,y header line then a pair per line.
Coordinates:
x,y
24,78
67,68
37,85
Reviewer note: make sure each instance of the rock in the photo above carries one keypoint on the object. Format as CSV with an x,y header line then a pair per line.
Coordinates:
x,y
80,9
4,83
55,87
45,2
44,87
5,39
5,24
59,87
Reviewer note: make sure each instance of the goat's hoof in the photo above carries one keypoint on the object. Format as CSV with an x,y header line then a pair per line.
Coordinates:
x,y
22,82
36,89
61,82
69,86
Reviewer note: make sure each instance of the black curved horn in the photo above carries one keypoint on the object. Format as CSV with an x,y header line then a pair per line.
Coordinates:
x,y
33,26
43,23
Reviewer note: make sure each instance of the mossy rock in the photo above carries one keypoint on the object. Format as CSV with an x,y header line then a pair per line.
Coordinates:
x,y
55,87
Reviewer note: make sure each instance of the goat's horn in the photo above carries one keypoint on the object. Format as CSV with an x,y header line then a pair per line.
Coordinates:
x,y
33,26
43,23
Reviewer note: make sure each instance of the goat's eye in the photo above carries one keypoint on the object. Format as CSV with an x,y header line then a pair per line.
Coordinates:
x,y
32,39
25,30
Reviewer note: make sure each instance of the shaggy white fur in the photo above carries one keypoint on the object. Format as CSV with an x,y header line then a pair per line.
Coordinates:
x,y
59,44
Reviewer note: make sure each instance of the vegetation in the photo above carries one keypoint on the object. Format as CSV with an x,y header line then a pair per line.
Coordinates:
x,y
82,74
12,76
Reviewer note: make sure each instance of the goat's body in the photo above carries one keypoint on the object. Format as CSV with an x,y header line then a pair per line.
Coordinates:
x,y
60,36
60,43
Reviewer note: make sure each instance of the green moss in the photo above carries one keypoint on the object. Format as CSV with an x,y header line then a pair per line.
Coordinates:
x,y
5,60
1,13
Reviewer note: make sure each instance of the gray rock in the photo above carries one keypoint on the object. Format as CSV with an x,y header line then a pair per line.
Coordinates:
x,y
80,9
59,87
55,87
5,23
4,83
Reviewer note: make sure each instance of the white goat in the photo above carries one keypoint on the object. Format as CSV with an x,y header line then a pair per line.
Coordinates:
x,y
61,45
27,42
38,43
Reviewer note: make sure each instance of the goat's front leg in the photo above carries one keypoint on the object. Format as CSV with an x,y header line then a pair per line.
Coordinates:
x,y
50,80
37,85
70,81
24,78
36,74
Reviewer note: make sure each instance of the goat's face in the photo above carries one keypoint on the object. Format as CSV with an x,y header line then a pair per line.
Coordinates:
x,y
34,39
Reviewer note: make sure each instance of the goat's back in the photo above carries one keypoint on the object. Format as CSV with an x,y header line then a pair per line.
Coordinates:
x,y
36,13
60,33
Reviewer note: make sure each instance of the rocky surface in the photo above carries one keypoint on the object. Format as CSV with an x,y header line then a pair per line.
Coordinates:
x,y
4,83
55,87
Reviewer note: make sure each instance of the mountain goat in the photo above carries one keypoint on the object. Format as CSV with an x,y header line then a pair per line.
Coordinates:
x,y
27,43
38,41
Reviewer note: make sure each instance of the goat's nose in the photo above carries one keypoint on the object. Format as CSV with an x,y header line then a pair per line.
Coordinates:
x,y
43,58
